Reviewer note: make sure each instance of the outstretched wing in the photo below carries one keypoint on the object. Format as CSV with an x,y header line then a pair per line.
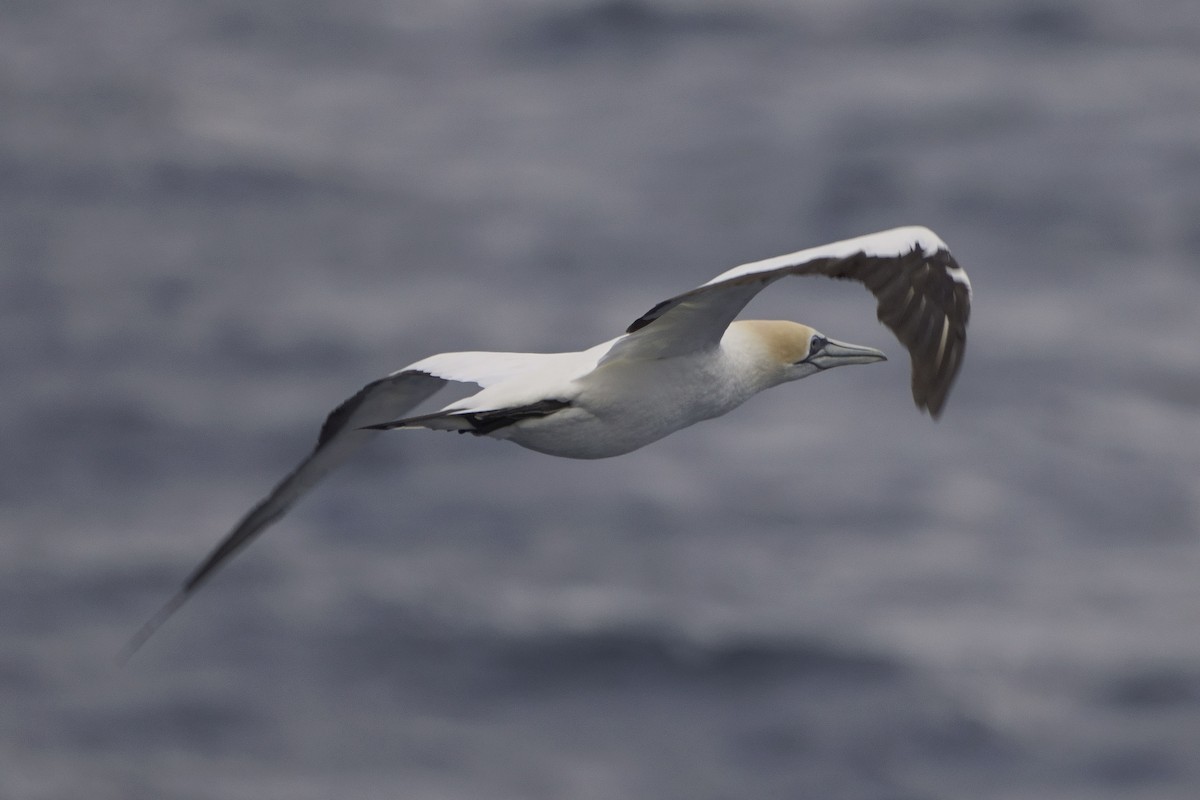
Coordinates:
x,y
342,434
923,296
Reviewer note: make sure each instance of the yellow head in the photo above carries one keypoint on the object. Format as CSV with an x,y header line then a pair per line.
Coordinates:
x,y
798,351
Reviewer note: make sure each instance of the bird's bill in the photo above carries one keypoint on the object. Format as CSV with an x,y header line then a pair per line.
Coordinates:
x,y
839,354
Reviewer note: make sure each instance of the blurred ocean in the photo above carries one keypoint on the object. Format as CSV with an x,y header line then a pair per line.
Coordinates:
x,y
218,219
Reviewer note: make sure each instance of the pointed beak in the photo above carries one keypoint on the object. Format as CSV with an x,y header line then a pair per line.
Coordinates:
x,y
839,354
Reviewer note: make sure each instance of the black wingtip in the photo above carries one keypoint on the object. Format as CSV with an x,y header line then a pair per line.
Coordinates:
x,y
933,406
155,622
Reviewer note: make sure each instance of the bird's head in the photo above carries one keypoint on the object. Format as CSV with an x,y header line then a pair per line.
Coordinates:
x,y
800,351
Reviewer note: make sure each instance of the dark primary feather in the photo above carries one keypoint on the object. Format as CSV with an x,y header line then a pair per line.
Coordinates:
x,y
341,436
936,302
378,400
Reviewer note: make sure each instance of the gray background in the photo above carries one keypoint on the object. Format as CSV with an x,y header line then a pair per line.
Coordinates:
x,y
219,218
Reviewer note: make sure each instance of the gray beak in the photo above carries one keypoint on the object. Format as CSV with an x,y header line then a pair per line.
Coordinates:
x,y
839,354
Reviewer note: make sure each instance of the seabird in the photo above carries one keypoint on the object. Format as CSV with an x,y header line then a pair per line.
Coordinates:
x,y
683,361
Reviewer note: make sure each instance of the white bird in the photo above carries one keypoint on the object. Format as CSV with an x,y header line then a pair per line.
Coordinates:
x,y
683,361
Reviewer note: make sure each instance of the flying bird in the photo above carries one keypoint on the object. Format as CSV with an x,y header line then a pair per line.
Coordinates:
x,y
683,361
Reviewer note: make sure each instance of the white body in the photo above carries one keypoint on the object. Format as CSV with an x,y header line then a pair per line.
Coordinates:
x,y
627,403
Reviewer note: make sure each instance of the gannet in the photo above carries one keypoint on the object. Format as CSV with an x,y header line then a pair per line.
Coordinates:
x,y
683,361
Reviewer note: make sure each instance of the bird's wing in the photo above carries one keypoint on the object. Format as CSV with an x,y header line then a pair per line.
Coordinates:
x,y
923,296
342,434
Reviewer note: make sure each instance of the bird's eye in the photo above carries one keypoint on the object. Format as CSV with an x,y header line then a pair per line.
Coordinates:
x,y
817,344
